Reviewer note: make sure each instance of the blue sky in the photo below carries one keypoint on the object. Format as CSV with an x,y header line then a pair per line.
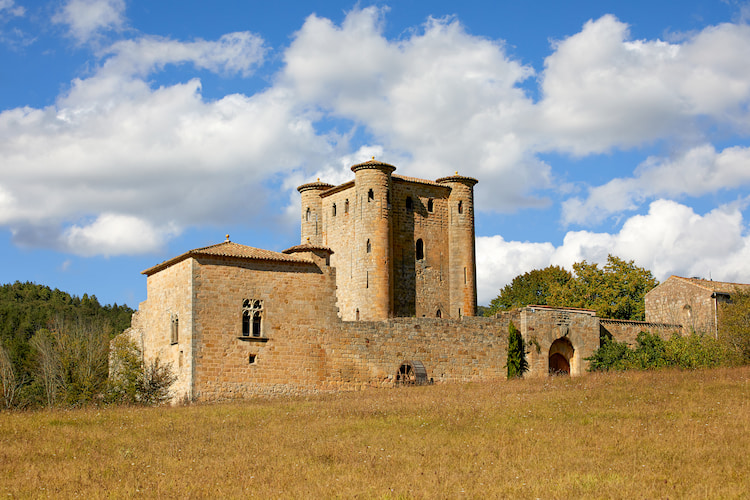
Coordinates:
x,y
133,131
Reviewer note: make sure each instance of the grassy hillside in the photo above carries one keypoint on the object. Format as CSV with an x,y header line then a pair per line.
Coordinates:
x,y
658,434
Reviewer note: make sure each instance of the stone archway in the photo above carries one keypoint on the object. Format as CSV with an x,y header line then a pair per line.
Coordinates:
x,y
560,353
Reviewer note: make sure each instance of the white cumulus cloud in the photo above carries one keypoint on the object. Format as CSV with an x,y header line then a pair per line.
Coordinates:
x,y
88,18
670,239
698,171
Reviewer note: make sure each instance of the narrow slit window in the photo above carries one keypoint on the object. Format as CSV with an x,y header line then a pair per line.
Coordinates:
x,y
370,196
439,314
420,249
464,275
307,215
460,207
333,211
175,330
430,205
409,203
368,246
346,206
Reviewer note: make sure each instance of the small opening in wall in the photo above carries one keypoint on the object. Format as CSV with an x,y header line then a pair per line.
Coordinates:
x,y
333,211
429,205
346,206
356,314
367,279
420,249
409,203
460,207
459,312
439,314
368,246
370,196
251,359
464,275
307,215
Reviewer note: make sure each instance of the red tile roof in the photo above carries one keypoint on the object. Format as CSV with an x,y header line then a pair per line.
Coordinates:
x,y
232,250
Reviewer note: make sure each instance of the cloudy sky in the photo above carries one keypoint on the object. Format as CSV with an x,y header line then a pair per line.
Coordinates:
x,y
132,131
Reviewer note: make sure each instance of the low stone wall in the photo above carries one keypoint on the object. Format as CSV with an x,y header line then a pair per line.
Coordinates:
x,y
457,350
627,331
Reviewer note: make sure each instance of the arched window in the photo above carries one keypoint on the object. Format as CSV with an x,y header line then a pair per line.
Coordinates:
x,y
429,205
420,249
409,203
256,324
439,314
252,318
460,207
307,215
334,210
245,323
370,196
357,314
369,246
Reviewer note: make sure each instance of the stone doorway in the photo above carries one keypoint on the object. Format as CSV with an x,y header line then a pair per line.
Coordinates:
x,y
560,353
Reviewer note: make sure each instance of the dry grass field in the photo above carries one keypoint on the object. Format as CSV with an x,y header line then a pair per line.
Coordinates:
x,y
665,434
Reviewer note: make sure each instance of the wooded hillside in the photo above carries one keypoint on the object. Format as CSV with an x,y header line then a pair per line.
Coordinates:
x,y
31,311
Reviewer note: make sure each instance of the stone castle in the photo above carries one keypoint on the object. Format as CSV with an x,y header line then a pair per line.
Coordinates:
x,y
381,291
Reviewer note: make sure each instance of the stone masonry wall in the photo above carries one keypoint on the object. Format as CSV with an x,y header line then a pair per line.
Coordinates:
x,y
627,331
298,307
169,298
421,287
370,353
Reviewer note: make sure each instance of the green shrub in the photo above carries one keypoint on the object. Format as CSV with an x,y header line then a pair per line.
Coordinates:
x,y
517,364
651,351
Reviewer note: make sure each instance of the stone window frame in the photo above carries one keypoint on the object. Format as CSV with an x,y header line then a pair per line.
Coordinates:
x,y
252,319
419,249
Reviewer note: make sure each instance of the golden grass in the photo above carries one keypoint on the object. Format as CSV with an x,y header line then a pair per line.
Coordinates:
x,y
665,434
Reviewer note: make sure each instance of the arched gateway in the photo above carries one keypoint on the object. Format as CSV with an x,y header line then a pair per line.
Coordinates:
x,y
560,353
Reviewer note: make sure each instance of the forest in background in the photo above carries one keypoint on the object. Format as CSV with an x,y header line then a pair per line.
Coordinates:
x,y
54,346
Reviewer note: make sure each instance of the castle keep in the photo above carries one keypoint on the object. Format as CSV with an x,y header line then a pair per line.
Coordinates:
x,y
381,290
402,247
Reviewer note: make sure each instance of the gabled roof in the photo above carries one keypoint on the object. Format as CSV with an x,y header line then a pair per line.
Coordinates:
x,y
714,286
232,250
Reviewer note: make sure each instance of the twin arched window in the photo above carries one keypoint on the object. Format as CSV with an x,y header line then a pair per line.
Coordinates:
x,y
252,318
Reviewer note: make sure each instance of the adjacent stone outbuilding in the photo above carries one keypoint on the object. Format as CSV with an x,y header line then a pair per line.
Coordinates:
x,y
691,302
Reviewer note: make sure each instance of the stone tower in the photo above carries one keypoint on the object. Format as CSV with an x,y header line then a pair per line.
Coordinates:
x,y
372,229
461,245
401,247
312,212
